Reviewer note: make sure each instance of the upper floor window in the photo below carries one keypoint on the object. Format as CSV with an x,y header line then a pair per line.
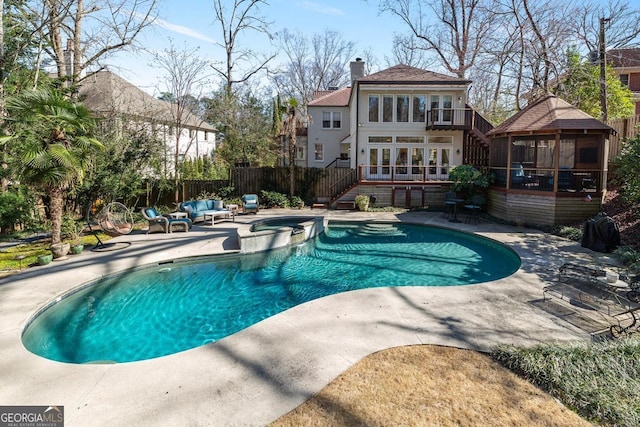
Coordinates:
x,y
398,108
374,108
624,79
331,120
419,108
402,108
387,108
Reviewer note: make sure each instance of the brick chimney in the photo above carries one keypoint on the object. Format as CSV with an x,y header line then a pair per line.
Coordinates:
x,y
357,70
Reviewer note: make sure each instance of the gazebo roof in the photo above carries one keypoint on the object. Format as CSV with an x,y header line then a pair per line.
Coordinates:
x,y
550,114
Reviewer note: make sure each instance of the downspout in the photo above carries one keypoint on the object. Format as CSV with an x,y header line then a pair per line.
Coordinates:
x,y
508,162
357,127
556,164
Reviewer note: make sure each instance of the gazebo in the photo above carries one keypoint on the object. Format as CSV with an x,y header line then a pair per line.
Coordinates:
x,y
549,164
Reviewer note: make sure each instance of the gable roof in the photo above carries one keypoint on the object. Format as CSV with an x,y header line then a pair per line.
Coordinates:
x,y
549,114
106,94
624,58
331,98
406,74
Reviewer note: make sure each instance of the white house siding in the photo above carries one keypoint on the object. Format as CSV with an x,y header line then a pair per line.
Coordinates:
x,y
402,135
331,139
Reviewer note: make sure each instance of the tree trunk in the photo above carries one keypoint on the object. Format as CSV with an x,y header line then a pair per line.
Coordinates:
x,y
55,210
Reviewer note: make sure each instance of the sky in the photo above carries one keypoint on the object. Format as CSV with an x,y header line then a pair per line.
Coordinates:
x,y
190,24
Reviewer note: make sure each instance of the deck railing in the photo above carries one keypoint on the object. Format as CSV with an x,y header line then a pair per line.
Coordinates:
x,y
402,173
449,118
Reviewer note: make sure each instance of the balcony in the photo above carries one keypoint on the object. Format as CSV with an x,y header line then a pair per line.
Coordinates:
x,y
450,119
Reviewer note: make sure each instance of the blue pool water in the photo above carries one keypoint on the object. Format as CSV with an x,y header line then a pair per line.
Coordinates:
x,y
170,307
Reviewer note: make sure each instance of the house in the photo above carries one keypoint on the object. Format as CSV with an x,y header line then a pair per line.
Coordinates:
x,y
626,65
122,105
330,128
401,129
549,163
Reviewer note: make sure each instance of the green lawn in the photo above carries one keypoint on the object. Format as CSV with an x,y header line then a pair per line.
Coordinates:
x,y
9,257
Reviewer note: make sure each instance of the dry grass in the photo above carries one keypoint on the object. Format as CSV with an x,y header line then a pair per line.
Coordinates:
x,y
430,386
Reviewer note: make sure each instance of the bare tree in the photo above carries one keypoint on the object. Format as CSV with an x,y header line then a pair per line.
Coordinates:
x,y
185,76
313,64
454,30
241,17
623,29
407,51
75,47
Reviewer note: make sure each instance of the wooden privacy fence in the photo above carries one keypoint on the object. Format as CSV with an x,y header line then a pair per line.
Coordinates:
x,y
625,128
311,184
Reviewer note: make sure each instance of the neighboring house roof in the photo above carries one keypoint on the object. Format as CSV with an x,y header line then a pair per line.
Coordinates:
x,y
624,58
406,74
549,114
331,98
107,94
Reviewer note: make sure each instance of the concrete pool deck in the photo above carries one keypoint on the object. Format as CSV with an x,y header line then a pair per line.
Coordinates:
x,y
256,375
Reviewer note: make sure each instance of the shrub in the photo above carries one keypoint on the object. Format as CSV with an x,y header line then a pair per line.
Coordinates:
x,y
70,229
572,233
629,257
296,202
226,193
467,180
273,199
16,207
362,202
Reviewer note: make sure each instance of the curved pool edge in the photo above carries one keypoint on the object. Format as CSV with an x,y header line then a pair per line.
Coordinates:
x,y
77,309
251,378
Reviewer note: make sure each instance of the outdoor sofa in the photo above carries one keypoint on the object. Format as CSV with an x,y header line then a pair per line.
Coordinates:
x,y
198,210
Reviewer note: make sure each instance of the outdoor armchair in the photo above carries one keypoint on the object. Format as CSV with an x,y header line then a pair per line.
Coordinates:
x,y
162,224
250,203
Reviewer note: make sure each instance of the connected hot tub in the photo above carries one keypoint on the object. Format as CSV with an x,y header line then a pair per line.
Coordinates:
x,y
279,232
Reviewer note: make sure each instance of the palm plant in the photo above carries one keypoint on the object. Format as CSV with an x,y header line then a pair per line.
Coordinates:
x,y
53,145
286,124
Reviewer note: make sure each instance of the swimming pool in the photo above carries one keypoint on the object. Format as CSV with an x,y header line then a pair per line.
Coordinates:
x,y
166,308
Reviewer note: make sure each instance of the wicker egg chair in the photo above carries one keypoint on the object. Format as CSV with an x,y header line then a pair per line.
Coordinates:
x,y
115,220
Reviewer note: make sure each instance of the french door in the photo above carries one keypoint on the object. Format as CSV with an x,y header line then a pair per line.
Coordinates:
x,y
379,163
441,109
439,162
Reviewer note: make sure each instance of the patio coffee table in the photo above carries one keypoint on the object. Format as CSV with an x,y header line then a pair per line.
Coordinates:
x,y
218,212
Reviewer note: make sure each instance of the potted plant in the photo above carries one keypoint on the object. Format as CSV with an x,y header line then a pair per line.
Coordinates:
x,y
71,231
44,259
60,250
77,246
362,202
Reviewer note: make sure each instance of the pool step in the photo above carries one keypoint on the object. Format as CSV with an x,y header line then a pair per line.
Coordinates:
x,y
378,230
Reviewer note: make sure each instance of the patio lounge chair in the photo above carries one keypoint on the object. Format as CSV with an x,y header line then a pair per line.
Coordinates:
x,y
162,224
250,203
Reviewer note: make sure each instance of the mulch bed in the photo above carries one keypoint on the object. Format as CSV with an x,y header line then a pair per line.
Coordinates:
x,y
626,215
